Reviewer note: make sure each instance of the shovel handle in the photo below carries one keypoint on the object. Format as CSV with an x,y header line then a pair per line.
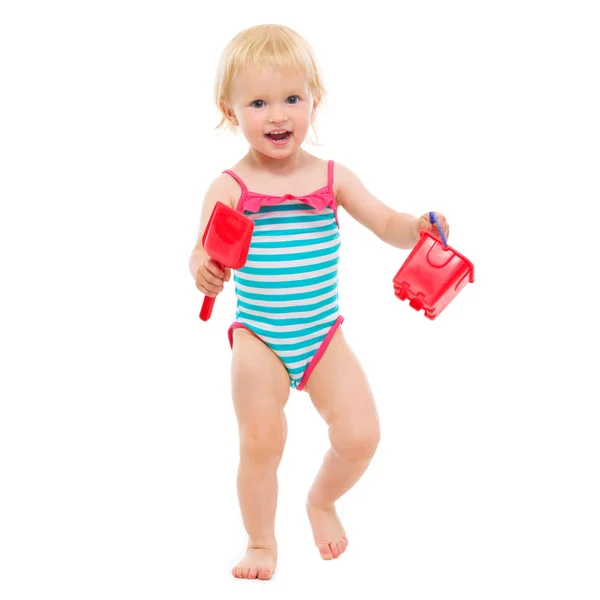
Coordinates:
x,y
207,305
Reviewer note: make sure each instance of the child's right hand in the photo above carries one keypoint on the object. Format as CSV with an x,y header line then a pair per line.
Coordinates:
x,y
210,277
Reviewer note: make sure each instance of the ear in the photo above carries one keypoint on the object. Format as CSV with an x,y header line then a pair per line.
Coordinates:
x,y
316,104
230,114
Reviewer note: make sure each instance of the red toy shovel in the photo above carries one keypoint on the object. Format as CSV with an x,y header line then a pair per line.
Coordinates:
x,y
227,240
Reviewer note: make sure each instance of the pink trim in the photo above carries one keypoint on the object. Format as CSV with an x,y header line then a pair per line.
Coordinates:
x,y
315,359
255,200
330,186
242,185
237,325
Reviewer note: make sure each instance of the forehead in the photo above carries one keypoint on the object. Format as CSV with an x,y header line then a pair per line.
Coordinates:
x,y
251,81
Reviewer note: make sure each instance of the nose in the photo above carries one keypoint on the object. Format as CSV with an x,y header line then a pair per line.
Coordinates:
x,y
277,114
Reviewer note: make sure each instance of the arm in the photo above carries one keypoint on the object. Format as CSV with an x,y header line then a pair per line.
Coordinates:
x,y
400,230
222,189
394,228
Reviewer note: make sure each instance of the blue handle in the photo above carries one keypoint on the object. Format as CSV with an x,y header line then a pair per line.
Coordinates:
x,y
433,220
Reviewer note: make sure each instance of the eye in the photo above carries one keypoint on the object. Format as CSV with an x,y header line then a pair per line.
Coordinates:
x,y
293,99
260,103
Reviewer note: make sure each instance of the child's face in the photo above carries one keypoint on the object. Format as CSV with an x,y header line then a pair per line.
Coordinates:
x,y
266,101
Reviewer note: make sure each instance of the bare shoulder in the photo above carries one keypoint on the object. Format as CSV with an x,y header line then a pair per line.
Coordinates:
x,y
343,177
225,189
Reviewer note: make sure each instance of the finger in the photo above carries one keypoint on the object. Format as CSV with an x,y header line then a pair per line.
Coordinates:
x,y
212,282
212,266
209,290
443,225
210,287
209,293
424,224
227,274
210,278
202,288
442,222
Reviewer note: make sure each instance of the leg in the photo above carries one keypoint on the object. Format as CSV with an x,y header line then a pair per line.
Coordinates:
x,y
341,393
260,388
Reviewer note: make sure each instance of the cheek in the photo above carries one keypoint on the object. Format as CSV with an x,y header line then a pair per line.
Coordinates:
x,y
303,116
251,120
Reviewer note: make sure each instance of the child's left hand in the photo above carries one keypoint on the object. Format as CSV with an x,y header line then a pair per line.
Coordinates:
x,y
424,224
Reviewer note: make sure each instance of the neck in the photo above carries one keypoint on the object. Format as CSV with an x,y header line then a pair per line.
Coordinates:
x,y
277,166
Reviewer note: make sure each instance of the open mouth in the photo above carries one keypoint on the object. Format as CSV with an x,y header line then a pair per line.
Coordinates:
x,y
279,136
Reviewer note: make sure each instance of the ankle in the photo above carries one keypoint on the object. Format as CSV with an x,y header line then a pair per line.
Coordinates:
x,y
268,544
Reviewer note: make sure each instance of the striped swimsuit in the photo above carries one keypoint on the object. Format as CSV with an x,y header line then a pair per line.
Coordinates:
x,y
287,293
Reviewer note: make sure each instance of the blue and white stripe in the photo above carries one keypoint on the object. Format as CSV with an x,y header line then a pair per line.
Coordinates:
x,y
287,291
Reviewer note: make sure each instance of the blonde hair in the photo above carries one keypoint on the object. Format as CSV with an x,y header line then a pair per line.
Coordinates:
x,y
272,46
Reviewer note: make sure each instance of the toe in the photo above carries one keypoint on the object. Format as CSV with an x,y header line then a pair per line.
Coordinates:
x,y
334,549
253,573
325,551
245,572
265,574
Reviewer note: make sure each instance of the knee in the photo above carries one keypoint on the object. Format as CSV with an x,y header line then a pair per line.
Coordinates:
x,y
356,443
262,442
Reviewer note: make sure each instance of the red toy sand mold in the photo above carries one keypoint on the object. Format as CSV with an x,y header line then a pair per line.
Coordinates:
x,y
433,274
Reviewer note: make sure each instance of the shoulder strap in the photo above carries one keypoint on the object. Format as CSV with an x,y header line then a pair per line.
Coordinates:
x,y
330,174
238,179
240,204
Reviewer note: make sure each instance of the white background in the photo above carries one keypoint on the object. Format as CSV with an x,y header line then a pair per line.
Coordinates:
x,y
118,441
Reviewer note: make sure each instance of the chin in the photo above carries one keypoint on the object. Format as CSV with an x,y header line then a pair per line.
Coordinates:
x,y
276,152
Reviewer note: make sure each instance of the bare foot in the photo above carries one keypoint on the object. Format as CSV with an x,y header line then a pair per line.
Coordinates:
x,y
328,532
259,563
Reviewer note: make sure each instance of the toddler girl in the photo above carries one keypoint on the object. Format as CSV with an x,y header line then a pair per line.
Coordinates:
x,y
287,331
